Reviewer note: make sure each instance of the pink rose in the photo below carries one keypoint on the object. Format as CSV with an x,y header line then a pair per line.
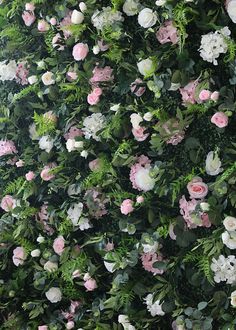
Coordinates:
x,y
42,327
29,6
167,33
30,176
97,91
215,96
19,256
90,284
139,199
43,26
58,245
93,99
80,51
204,95
46,174
53,21
8,203
197,189
127,206
28,18
134,87
188,92
220,119
71,76
139,134
70,325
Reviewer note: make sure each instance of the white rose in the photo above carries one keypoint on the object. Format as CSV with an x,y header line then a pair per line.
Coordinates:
x,y
131,7
35,253
147,18
160,2
84,154
54,295
72,145
213,163
233,298
40,239
50,266
47,78
32,80
135,120
82,7
229,239
143,179
46,143
146,67
148,116
231,10
96,49
77,17
230,223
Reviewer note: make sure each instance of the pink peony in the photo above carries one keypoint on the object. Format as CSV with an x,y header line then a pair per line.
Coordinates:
x,y
140,175
46,174
90,284
93,99
197,188
43,25
42,327
136,89
205,95
167,33
188,92
148,259
58,245
28,18
19,256
139,134
80,51
220,119
101,75
30,176
126,206
8,203
7,147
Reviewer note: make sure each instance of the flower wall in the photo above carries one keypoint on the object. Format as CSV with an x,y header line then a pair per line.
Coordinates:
x,y
117,165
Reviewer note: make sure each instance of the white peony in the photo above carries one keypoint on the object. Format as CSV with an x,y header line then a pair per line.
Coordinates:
x,y
72,145
147,18
230,223
75,212
233,298
48,78
146,67
135,120
153,307
32,80
50,266
229,239
143,179
77,17
231,10
46,143
224,269
54,295
131,7
106,17
213,163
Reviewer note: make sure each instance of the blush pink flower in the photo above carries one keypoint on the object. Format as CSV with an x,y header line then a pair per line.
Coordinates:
x,y
46,174
22,73
94,97
139,134
205,95
30,176
53,21
66,22
140,199
7,147
43,25
167,33
20,163
197,189
127,206
58,245
90,284
136,88
188,92
28,18
215,96
42,327
102,46
19,256
71,76
148,259
80,51
29,6
95,164
220,119
8,203
73,133
101,75
140,175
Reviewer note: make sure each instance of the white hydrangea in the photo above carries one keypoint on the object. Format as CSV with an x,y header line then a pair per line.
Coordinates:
x,y
153,307
8,71
224,269
213,44
46,143
106,17
93,124
75,212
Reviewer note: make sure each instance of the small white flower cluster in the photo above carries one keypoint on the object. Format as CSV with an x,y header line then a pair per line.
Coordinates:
x,y
229,236
8,71
213,44
106,17
93,124
224,269
155,308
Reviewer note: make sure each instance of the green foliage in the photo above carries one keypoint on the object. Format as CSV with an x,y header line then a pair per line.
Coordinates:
x,y
44,124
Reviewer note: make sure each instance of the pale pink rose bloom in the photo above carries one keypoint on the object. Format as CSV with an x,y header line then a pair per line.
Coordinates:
x,y
80,51
101,75
53,21
139,134
140,199
197,189
205,95
126,206
93,99
97,91
71,76
148,259
90,284
215,96
134,87
167,33
20,163
59,244
94,165
19,256
28,18
43,26
70,325
46,174
188,92
7,147
30,176
29,6
220,119
42,327
73,133
8,203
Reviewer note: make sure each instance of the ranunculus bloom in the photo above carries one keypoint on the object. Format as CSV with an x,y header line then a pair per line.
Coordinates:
x,y
90,284
127,206
19,256
220,119
167,33
28,18
54,295
205,95
8,203
136,89
230,223
30,176
80,51
43,26
197,189
59,244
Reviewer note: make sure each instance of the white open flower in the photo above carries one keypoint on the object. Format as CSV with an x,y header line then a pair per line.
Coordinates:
x,y
143,179
146,67
213,163
46,143
233,298
131,7
231,10
230,223
229,239
77,17
75,212
48,78
135,120
160,2
35,253
155,308
32,80
72,145
84,224
54,295
147,18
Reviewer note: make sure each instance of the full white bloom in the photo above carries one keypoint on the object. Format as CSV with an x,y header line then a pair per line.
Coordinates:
x,y
84,154
146,67
84,224
135,120
93,124
213,44
160,2
147,18
153,307
229,239
231,10
143,179
230,223
77,17
46,143
224,269
50,266
233,298
150,248
106,17
148,116
131,7
213,163
40,239
35,253
32,80
48,78
72,145
8,71
75,212
82,7
54,295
